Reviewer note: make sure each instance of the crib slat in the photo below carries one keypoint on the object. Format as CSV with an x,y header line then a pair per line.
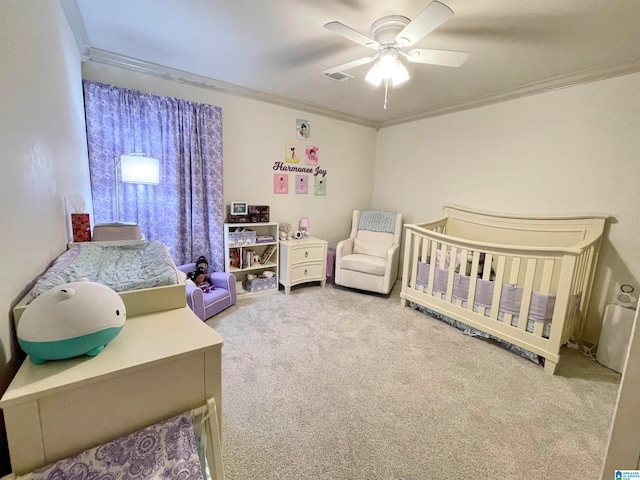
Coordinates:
x,y
424,249
497,286
432,270
474,279
453,255
486,275
464,253
514,273
526,294
414,267
547,275
538,327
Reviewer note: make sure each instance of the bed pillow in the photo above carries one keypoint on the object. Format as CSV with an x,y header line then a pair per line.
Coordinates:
x,y
370,248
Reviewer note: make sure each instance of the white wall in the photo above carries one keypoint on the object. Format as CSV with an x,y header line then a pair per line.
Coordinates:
x,y
254,137
572,150
43,155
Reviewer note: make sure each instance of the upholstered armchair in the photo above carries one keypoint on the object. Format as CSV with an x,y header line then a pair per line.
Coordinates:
x,y
206,305
368,259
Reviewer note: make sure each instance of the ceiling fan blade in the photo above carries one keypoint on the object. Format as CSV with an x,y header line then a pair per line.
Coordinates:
x,y
348,65
351,34
447,58
434,15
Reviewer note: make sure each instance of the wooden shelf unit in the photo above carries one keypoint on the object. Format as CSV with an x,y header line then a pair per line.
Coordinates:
x,y
241,271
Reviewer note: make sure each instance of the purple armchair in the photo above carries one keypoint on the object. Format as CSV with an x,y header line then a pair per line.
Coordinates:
x,y
206,305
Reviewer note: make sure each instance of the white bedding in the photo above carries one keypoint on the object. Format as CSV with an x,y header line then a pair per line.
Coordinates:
x,y
121,267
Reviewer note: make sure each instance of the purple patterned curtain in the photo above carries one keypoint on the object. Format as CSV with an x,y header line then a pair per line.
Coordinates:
x,y
186,211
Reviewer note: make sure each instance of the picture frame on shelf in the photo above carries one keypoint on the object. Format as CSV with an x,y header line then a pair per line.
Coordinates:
x,y
239,208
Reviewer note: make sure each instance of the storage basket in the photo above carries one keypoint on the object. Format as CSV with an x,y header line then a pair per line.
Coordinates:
x,y
260,284
239,239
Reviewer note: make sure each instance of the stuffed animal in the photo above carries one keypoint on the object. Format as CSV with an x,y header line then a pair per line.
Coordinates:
x,y
285,231
268,274
73,319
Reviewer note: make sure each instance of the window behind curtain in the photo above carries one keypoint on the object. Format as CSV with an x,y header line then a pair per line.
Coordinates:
x,y
186,211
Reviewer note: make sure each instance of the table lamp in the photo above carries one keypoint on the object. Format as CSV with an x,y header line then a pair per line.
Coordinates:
x,y
304,226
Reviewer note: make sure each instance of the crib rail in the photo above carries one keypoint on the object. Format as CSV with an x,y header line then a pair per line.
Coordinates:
x,y
534,297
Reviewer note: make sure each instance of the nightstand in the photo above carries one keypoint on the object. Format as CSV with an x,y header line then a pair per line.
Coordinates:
x,y
303,261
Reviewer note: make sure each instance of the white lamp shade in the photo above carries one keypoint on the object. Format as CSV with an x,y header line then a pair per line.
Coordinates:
x,y
140,169
400,74
374,77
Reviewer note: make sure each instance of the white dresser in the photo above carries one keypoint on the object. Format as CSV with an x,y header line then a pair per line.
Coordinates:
x,y
161,364
303,261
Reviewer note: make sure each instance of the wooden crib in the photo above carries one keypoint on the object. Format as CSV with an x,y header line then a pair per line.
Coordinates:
x,y
544,267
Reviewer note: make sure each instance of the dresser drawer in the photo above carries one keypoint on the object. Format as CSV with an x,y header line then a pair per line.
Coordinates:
x,y
307,271
307,254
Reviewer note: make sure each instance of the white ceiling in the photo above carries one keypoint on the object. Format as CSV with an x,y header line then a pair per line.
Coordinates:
x,y
276,50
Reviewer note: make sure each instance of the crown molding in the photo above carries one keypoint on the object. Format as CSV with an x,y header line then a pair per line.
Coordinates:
x,y
76,23
180,76
534,88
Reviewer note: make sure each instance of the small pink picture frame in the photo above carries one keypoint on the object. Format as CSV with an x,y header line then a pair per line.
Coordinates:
x,y
280,183
311,155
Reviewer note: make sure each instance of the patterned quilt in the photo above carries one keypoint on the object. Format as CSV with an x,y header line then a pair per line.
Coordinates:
x,y
120,267
164,451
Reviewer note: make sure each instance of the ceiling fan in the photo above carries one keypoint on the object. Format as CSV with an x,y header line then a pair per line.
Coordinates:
x,y
390,35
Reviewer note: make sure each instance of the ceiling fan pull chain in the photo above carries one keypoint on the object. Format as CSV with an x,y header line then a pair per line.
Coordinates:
x,y
386,86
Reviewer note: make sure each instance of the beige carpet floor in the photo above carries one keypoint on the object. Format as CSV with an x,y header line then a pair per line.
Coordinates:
x,y
331,383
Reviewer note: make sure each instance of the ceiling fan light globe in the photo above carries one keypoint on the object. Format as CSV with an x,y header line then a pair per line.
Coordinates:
x,y
374,76
400,74
387,62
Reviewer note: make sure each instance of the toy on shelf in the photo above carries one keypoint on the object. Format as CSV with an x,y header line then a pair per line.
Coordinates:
x,y
285,231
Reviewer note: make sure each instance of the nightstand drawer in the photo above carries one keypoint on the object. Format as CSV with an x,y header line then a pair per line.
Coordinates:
x,y
307,254
307,271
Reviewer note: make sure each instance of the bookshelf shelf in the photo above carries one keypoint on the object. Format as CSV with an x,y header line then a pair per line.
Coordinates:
x,y
240,259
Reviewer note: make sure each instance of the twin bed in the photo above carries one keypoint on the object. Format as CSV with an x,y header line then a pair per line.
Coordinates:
x,y
142,272
525,280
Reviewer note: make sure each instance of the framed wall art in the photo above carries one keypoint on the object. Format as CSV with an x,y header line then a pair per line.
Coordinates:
x,y
292,152
320,187
311,155
303,129
280,183
302,184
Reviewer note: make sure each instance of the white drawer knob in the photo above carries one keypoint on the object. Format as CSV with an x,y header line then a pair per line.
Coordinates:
x,y
306,254
305,271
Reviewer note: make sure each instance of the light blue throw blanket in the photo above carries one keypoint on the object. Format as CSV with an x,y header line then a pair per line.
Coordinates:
x,y
377,221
